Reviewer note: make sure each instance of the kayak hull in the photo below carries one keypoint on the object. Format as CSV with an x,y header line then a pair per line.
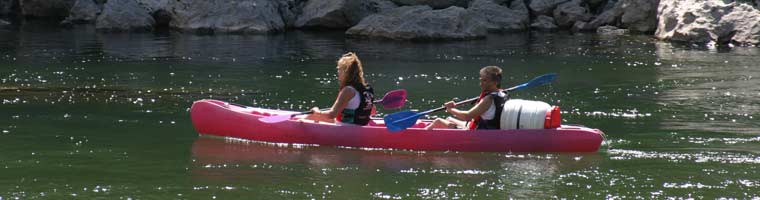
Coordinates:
x,y
213,117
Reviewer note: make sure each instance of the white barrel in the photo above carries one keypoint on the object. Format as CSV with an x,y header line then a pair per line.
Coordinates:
x,y
523,114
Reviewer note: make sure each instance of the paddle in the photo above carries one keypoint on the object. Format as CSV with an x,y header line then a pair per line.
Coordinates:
x,y
405,119
392,100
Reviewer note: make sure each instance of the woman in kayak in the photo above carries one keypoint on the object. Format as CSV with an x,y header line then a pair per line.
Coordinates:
x,y
486,113
354,102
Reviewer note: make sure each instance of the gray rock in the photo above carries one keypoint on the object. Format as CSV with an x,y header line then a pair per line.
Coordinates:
x,y
635,15
500,18
595,3
323,13
568,13
241,16
610,16
704,21
544,7
639,15
124,15
290,10
421,23
45,8
5,7
4,23
359,9
544,23
83,11
339,13
435,4
611,30
153,6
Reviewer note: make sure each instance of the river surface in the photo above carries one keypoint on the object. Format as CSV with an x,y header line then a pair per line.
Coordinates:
x,y
89,115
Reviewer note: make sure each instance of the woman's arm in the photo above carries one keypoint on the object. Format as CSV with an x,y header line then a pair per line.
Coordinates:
x,y
341,102
475,111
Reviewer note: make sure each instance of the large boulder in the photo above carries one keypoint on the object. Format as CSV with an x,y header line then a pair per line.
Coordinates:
x,y
6,7
45,8
544,23
290,10
241,16
339,13
154,5
703,21
84,11
512,16
639,15
566,14
634,15
435,4
421,23
124,15
544,7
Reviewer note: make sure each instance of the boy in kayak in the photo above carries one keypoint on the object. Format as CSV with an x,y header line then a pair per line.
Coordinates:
x,y
354,102
486,113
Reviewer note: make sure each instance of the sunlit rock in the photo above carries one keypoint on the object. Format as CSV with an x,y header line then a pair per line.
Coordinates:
x,y
508,16
421,23
124,15
339,13
708,21
243,16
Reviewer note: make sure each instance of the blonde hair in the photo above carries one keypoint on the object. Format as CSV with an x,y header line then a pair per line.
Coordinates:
x,y
353,71
493,73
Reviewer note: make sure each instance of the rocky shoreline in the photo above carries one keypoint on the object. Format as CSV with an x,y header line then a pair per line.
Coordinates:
x,y
698,21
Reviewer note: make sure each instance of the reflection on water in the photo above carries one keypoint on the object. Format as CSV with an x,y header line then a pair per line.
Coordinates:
x,y
720,88
522,175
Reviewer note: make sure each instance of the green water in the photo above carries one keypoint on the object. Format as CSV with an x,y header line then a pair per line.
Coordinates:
x,y
88,115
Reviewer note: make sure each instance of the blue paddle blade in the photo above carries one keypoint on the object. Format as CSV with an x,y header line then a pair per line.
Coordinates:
x,y
401,120
541,80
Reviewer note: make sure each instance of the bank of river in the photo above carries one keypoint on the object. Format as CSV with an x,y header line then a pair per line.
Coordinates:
x,y
87,115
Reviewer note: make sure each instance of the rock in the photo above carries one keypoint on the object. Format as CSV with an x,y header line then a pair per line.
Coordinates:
x,y
4,23
500,18
704,21
544,23
611,30
435,4
581,26
45,8
636,15
544,7
83,11
359,9
339,13
421,23
290,10
6,7
609,16
323,13
124,15
241,16
153,6
568,13
595,3
639,15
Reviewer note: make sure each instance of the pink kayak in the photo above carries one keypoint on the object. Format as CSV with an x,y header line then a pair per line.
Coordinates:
x,y
219,118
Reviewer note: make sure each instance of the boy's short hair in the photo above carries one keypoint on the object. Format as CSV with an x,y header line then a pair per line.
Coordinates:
x,y
492,73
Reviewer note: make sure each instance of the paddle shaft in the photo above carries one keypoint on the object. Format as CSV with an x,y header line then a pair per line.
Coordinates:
x,y
469,100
